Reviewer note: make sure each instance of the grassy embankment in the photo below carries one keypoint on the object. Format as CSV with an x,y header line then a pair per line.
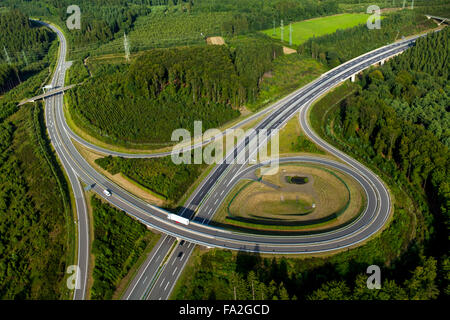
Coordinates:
x,y
280,206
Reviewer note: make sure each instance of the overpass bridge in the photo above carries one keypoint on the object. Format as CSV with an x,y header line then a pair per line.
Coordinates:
x,y
441,19
47,94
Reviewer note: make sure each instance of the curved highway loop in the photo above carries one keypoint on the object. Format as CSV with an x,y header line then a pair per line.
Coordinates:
x,y
371,221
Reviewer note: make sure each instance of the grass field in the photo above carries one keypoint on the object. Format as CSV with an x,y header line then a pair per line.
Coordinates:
x,y
289,73
255,206
303,30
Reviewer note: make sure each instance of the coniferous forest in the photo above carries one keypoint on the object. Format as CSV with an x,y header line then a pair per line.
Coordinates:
x,y
167,89
23,45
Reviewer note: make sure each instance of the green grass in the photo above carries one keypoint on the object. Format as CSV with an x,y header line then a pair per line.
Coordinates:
x,y
303,30
289,73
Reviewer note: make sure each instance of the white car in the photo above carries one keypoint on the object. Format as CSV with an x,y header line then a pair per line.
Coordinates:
x,y
107,193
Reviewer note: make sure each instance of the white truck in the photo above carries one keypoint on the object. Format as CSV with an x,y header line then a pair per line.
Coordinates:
x,y
178,219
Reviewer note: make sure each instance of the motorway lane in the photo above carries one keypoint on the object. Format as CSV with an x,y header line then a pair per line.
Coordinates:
x,y
171,272
82,221
141,284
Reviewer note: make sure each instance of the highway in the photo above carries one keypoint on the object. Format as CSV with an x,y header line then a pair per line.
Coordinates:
x,y
53,102
208,196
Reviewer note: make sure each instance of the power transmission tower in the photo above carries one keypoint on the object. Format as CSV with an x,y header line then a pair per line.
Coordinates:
x,y
282,30
25,57
126,46
253,291
7,56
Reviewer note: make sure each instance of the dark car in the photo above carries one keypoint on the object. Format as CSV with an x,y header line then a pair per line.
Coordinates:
x,y
180,254
181,243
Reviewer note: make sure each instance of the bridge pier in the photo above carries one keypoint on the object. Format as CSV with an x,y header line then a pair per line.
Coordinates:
x,y
353,77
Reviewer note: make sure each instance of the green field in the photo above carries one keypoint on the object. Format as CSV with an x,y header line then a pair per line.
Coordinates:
x,y
303,30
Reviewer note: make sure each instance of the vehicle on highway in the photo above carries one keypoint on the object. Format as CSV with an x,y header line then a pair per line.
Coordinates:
x,y
178,219
180,254
181,243
107,193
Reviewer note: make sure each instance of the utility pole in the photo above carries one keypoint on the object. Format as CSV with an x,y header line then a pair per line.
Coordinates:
x,y
290,34
282,30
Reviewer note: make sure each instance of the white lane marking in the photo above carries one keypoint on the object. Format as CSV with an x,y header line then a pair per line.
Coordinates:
x,y
174,270
162,282
166,286
145,279
216,201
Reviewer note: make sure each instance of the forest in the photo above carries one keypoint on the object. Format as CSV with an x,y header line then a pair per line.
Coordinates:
x,y
166,89
18,34
224,275
8,78
36,222
102,23
387,122
119,241
32,264
24,45
401,115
